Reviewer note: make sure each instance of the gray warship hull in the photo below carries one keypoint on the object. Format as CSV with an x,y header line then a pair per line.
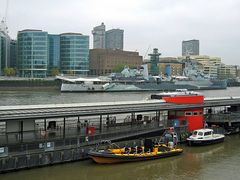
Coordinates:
x,y
141,86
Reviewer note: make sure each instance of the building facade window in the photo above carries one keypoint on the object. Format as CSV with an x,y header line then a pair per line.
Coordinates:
x,y
74,52
32,59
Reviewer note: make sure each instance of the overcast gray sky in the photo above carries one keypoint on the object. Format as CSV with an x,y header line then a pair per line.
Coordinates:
x,y
155,23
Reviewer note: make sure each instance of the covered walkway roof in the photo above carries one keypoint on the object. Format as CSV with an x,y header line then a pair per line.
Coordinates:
x,y
25,112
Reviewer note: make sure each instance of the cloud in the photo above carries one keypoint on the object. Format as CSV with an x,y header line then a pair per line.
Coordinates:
x,y
159,23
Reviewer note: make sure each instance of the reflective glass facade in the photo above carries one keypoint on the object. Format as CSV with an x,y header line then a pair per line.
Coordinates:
x,y
99,37
74,52
1,54
190,47
114,39
13,54
54,51
32,53
4,51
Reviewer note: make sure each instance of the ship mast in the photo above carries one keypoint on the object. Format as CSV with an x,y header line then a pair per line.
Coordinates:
x,y
154,60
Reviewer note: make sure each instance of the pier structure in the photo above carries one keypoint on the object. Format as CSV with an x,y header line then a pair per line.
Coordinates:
x,y
38,135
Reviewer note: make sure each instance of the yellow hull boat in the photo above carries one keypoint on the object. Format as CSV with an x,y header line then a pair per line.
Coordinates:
x,y
120,155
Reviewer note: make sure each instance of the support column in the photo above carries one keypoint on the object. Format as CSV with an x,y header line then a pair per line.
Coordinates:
x,y
132,118
78,125
21,131
108,121
157,116
45,125
100,126
64,125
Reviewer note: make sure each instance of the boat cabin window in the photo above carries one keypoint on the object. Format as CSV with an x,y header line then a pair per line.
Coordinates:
x,y
188,113
181,90
207,133
195,133
200,133
195,113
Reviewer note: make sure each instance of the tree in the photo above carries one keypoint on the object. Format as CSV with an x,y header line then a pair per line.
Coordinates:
x,y
9,71
71,73
55,72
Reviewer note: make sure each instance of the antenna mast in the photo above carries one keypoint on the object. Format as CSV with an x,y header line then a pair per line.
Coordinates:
x,y
6,10
3,25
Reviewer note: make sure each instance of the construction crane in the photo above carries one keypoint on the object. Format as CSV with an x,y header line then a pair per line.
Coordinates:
x,y
3,26
147,51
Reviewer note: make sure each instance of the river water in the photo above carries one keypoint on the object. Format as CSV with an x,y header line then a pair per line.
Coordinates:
x,y
56,97
220,161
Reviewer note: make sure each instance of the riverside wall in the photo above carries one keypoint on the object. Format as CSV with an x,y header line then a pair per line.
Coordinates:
x,y
29,84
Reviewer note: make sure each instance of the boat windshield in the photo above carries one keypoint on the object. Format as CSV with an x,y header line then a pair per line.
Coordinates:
x,y
208,133
194,133
200,133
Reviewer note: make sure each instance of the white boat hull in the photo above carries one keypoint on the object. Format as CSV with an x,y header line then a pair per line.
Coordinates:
x,y
217,138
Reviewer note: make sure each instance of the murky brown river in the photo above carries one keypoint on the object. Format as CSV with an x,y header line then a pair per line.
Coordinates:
x,y
221,161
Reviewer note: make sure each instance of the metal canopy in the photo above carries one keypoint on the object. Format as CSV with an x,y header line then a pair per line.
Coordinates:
x,y
92,109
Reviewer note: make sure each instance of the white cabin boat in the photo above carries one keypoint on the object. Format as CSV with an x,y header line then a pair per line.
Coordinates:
x,y
204,137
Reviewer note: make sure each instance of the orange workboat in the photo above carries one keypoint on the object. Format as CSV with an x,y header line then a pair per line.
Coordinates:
x,y
138,153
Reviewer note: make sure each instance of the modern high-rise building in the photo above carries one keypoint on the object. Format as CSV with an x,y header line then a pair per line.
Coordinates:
x,y
74,52
53,52
32,57
190,47
99,37
1,54
4,47
114,39
13,53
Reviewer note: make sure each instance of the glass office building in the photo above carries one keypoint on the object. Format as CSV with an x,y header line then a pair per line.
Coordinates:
x,y
4,51
32,53
190,47
13,53
1,54
74,52
114,39
54,52
99,37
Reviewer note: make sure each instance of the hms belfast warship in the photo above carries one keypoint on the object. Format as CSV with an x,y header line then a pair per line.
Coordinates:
x,y
139,80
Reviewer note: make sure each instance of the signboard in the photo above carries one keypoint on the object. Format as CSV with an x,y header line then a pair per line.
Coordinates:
x,y
3,151
49,146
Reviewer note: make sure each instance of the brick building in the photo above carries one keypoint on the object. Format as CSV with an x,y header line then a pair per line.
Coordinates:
x,y
103,61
